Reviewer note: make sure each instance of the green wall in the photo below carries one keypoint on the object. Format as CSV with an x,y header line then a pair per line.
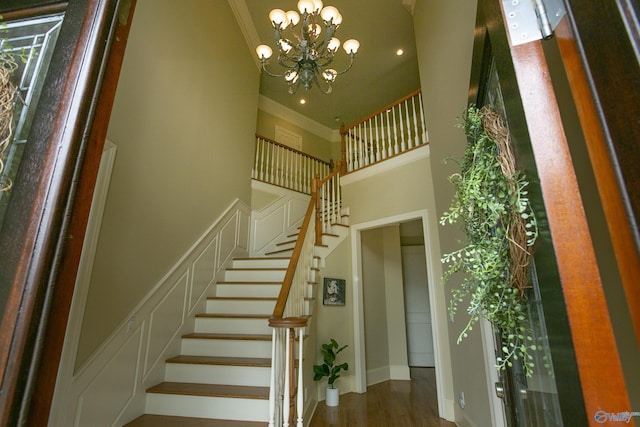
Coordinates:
x,y
184,152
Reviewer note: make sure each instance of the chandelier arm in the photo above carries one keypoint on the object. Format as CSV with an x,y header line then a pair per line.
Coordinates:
x,y
264,68
352,56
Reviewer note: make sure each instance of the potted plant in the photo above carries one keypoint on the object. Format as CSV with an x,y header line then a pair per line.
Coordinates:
x,y
330,369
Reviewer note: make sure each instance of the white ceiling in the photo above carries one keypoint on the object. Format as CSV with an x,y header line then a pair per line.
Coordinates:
x,y
378,76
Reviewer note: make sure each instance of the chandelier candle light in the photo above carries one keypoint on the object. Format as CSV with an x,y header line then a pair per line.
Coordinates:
x,y
308,56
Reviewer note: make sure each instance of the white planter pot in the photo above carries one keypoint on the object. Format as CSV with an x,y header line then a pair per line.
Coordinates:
x,y
333,396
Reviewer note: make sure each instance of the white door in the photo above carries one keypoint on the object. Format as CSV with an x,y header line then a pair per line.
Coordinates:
x,y
417,312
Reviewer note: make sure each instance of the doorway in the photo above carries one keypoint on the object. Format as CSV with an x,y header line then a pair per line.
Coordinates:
x,y
366,315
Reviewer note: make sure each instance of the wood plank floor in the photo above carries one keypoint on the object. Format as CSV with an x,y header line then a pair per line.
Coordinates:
x,y
391,403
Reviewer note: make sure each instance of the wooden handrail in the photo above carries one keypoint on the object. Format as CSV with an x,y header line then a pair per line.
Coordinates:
x,y
281,303
314,203
286,147
380,111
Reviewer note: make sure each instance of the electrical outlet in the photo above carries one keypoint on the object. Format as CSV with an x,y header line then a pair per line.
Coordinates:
x,y
461,401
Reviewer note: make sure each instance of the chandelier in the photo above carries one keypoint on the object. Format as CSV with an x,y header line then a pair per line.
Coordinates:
x,y
305,55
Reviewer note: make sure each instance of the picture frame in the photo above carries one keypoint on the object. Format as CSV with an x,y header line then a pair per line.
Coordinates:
x,y
333,291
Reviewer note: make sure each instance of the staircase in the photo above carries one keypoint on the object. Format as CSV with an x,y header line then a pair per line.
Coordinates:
x,y
222,376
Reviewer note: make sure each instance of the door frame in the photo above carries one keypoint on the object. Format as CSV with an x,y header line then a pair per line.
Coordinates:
x,y
437,301
41,239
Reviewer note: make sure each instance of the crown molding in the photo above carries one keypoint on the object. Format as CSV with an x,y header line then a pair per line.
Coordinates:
x,y
410,5
247,27
268,105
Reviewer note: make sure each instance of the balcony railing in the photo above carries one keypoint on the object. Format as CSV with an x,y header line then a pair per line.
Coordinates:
x,y
280,165
391,131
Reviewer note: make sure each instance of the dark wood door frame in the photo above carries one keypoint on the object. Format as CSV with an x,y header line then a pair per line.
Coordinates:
x,y
599,44
46,218
600,371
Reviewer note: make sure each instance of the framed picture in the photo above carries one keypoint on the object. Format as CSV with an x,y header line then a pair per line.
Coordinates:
x,y
333,291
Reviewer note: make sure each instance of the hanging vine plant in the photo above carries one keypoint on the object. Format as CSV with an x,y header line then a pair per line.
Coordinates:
x,y
492,205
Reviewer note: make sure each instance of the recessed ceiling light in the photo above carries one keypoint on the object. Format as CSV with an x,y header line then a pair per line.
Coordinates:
x,y
399,52
303,101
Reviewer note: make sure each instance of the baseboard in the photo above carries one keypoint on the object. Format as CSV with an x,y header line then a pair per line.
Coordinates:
x,y
378,375
399,372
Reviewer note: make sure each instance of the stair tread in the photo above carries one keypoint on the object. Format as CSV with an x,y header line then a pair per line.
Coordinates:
x,y
212,390
256,269
247,337
172,421
218,360
280,251
232,316
287,242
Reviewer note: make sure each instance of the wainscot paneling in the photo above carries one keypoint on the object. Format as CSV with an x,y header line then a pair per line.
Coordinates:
x,y
109,389
278,219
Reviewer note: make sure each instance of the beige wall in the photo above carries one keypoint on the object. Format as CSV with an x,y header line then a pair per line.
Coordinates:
x,y
184,152
375,307
394,291
444,30
311,143
336,321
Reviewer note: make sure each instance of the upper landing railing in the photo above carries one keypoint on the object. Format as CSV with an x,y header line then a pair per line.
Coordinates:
x,y
393,130
286,167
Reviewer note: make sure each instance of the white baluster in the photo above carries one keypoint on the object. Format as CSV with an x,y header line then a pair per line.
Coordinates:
x,y
425,135
388,144
287,389
272,164
272,382
403,145
350,162
300,400
418,142
371,141
396,148
361,162
406,110
262,166
379,154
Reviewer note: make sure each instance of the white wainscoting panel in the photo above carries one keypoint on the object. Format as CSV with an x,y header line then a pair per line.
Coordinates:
x,y
165,322
203,272
109,389
112,388
278,219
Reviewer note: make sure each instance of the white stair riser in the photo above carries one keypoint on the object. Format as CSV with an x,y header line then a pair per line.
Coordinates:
x,y
240,306
208,407
261,263
226,348
218,374
247,290
254,275
225,325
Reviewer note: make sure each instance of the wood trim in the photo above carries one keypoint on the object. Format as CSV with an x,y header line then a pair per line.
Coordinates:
x,y
38,220
621,228
600,371
288,322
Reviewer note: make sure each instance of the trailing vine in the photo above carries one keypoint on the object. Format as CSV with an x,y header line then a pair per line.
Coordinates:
x,y
491,203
